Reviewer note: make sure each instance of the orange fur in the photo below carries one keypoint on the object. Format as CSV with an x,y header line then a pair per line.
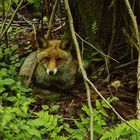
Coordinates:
x,y
55,66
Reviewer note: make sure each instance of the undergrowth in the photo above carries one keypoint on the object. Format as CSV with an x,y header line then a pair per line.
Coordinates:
x,y
19,121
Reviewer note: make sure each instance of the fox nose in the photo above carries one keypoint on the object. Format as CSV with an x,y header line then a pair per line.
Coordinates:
x,y
51,72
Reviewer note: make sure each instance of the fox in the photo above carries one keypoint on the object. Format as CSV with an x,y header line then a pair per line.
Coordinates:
x,y
55,67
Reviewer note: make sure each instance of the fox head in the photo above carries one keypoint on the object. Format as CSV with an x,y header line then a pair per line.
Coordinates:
x,y
53,57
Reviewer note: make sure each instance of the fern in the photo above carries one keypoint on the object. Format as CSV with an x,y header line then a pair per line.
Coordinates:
x,y
123,131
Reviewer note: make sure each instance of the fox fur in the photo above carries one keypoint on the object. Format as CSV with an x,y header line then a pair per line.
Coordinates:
x,y
55,66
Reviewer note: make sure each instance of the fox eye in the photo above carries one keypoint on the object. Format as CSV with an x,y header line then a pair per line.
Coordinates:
x,y
47,58
59,59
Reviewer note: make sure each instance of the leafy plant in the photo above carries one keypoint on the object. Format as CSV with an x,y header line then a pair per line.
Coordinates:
x,y
18,121
82,125
123,131
94,27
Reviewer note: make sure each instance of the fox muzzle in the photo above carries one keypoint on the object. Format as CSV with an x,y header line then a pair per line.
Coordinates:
x,y
52,72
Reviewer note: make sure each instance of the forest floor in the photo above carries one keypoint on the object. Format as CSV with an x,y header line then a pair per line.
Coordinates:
x,y
122,84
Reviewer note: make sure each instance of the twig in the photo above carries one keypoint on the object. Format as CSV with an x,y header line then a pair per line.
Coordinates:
x,y
96,49
130,40
59,27
31,24
84,74
3,32
119,116
134,22
136,33
3,18
4,22
51,21
126,64
112,4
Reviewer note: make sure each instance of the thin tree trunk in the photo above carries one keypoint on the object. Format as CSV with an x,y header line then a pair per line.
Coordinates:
x,y
136,33
138,85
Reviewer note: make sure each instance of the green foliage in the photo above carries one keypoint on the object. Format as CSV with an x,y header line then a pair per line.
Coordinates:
x,y
19,121
94,27
15,1
6,3
91,57
65,35
82,125
34,1
123,131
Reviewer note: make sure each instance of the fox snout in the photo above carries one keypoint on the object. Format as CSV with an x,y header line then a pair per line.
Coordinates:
x,y
51,71
51,68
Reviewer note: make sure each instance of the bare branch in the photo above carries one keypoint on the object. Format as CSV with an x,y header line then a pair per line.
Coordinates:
x,y
97,49
3,17
3,32
122,119
136,33
134,22
6,17
51,20
84,74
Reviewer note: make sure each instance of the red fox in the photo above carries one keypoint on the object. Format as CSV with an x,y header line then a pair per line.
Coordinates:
x,y
55,67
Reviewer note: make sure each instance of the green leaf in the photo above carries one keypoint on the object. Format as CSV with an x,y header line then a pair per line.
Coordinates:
x,y
135,136
34,132
60,138
86,109
8,81
97,59
12,98
54,108
3,72
86,63
45,107
2,89
14,47
5,119
94,27
37,122
1,109
98,104
15,1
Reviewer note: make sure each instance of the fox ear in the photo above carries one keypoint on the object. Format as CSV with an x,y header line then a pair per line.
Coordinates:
x,y
41,42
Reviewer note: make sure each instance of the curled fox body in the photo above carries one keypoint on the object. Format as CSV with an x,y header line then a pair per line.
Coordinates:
x,y
54,66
